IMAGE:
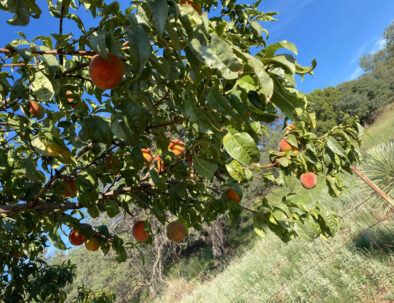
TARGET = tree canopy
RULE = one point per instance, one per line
(167, 121)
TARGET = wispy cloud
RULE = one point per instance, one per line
(356, 73)
(370, 47)
(380, 44)
(289, 10)
(358, 53)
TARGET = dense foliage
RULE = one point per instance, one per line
(192, 96)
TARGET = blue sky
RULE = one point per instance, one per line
(336, 32)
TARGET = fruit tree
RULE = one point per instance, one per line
(160, 107)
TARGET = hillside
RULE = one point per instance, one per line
(354, 266)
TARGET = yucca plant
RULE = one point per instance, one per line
(379, 167)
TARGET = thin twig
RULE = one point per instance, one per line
(166, 124)
(165, 97)
(73, 69)
(61, 30)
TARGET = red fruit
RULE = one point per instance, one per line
(106, 74)
(177, 147)
(17, 254)
(70, 189)
(71, 100)
(176, 231)
(232, 195)
(76, 238)
(111, 163)
(308, 180)
(284, 146)
(159, 165)
(139, 232)
(193, 4)
(34, 110)
(92, 244)
(147, 154)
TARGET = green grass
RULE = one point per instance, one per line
(357, 265)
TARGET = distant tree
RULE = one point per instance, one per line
(325, 103)
(364, 97)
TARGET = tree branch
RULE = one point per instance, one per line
(51, 52)
(39, 206)
(165, 97)
(61, 30)
(166, 124)
(71, 70)
(57, 175)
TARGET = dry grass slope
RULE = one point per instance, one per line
(357, 265)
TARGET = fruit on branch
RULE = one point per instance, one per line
(139, 232)
(176, 231)
(232, 195)
(76, 237)
(159, 165)
(92, 244)
(308, 180)
(69, 189)
(71, 100)
(111, 163)
(285, 146)
(193, 4)
(34, 110)
(17, 254)
(148, 156)
(106, 74)
(177, 147)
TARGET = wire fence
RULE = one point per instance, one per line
(366, 232)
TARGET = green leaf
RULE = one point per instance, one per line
(283, 161)
(248, 83)
(271, 49)
(241, 147)
(134, 117)
(235, 170)
(205, 168)
(335, 147)
(305, 231)
(282, 61)
(218, 55)
(292, 140)
(42, 87)
(157, 180)
(260, 224)
(265, 81)
(53, 234)
(286, 100)
(112, 208)
(97, 43)
(21, 13)
(197, 116)
(139, 46)
(96, 128)
(159, 10)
